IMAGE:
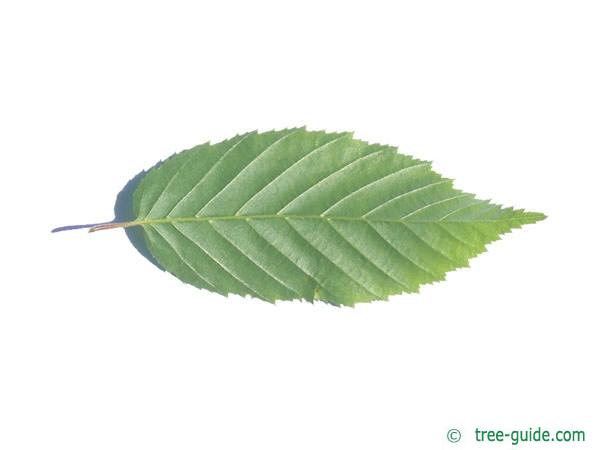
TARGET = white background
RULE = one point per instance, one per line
(100, 350)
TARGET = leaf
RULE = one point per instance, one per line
(295, 214)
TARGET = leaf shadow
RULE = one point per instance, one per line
(124, 213)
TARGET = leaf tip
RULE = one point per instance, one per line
(537, 217)
(531, 217)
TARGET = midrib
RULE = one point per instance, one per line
(167, 220)
(301, 216)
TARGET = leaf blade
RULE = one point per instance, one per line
(296, 214)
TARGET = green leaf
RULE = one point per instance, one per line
(295, 214)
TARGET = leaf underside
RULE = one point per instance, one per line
(297, 214)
